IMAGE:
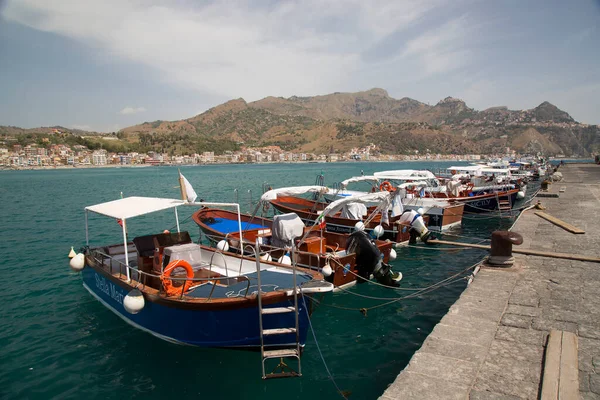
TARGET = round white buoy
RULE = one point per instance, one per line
(359, 226)
(520, 194)
(133, 302)
(421, 211)
(72, 253)
(378, 231)
(397, 276)
(393, 254)
(285, 259)
(223, 245)
(326, 270)
(78, 262)
(266, 257)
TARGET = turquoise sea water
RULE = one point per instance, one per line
(56, 341)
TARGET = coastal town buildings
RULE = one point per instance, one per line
(61, 155)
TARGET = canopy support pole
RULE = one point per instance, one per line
(87, 237)
(177, 219)
(126, 254)
(237, 207)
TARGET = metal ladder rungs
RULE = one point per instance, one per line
(278, 310)
(285, 370)
(278, 331)
(281, 353)
(282, 375)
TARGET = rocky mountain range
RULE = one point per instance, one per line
(339, 122)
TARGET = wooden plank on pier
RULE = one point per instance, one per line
(551, 375)
(568, 387)
(561, 371)
(558, 222)
(528, 252)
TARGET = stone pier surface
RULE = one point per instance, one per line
(491, 343)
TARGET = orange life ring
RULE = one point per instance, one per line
(168, 283)
(387, 186)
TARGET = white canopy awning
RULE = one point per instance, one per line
(465, 168)
(369, 178)
(292, 191)
(337, 205)
(405, 174)
(501, 171)
(130, 207)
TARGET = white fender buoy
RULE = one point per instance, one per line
(397, 276)
(359, 226)
(378, 231)
(72, 253)
(393, 254)
(266, 257)
(78, 262)
(520, 194)
(326, 270)
(134, 302)
(223, 245)
(285, 259)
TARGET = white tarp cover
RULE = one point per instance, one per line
(130, 207)
(286, 227)
(404, 174)
(292, 191)
(454, 187)
(337, 205)
(413, 184)
(369, 178)
(397, 206)
(353, 211)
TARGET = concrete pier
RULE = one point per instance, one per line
(491, 343)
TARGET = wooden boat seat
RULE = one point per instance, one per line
(149, 246)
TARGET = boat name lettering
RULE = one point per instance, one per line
(109, 288)
(481, 203)
(338, 228)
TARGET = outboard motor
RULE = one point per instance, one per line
(369, 260)
(417, 226)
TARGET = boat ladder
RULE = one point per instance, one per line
(282, 370)
(504, 203)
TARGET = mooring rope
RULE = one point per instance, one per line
(390, 300)
(319, 349)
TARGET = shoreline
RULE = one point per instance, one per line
(71, 167)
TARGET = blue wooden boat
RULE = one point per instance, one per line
(187, 293)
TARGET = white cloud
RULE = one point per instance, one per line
(235, 48)
(132, 110)
(441, 50)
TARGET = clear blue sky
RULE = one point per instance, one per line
(106, 65)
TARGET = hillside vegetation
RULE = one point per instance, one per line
(341, 121)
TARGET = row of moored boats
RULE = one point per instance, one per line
(255, 280)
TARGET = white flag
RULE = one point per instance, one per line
(189, 190)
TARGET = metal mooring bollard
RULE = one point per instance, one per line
(501, 249)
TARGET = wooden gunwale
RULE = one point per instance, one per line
(202, 303)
